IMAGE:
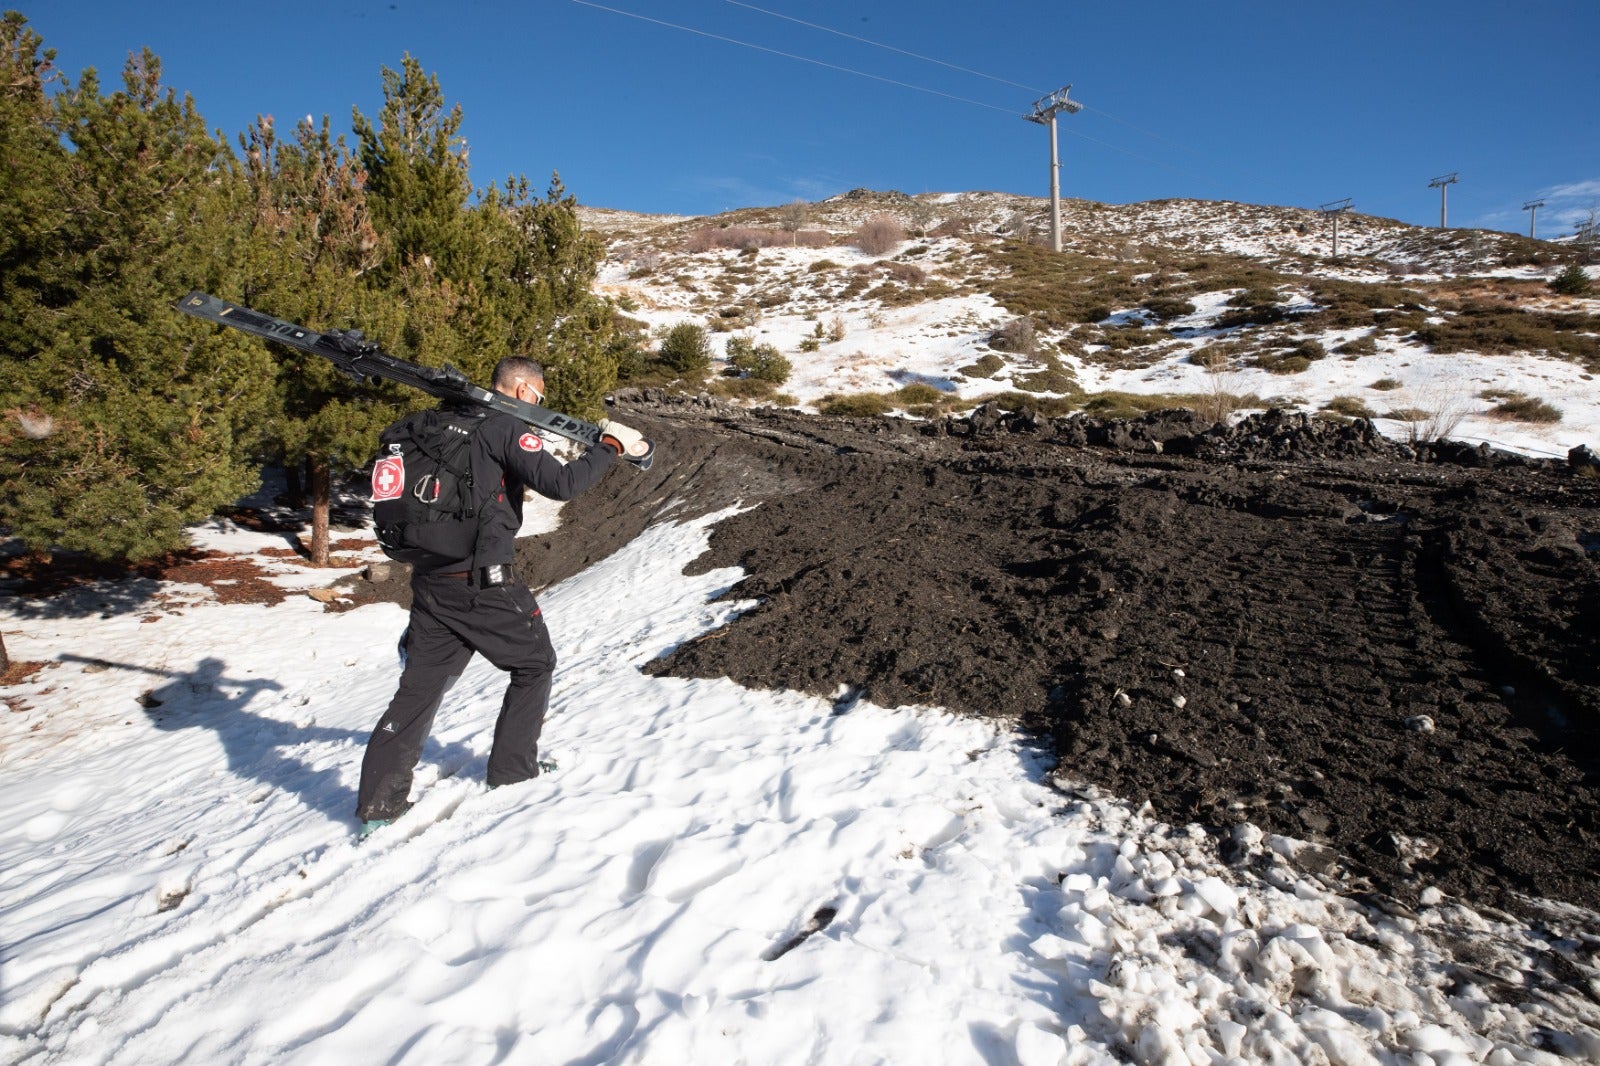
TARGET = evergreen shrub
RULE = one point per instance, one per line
(762, 362)
(1573, 281)
(686, 350)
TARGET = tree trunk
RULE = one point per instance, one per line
(5, 660)
(321, 505)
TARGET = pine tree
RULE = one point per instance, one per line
(512, 274)
(29, 160)
(543, 286)
(308, 243)
(131, 425)
(418, 185)
(32, 165)
(1573, 281)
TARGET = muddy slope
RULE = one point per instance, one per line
(1292, 624)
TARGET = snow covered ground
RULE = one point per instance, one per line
(884, 348)
(714, 875)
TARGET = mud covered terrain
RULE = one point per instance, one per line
(1294, 624)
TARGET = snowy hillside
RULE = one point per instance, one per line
(713, 875)
(1428, 331)
(720, 875)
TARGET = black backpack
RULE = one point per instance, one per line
(424, 504)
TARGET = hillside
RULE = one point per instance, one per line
(1220, 307)
(1008, 732)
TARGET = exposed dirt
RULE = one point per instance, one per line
(1295, 624)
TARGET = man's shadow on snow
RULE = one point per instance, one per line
(269, 751)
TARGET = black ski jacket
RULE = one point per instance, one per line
(507, 457)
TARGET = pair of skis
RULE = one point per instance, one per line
(362, 360)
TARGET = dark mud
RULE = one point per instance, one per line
(1295, 624)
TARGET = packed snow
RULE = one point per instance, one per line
(712, 875)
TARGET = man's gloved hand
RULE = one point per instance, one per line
(625, 440)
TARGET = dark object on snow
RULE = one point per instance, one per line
(1583, 460)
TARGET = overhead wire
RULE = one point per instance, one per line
(1211, 180)
(1068, 132)
(791, 55)
(880, 44)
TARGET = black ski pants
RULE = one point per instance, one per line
(452, 617)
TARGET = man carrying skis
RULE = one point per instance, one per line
(478, 604)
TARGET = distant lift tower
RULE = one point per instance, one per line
(1532, 207)
(1443, 185)
(1334, 210)
(1044, 113)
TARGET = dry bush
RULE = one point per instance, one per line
(813, 238)
(836, 329)
(855, 405)
(1019, 224)
(1221, 398)
(1491, 329)
(644, 264)
(879, 235)
(793, 216)
(1519, 407)
(986, 367)
(750, 388)
(743, 238)
(1348, 406)
(1436, 410)
(1168, 307)
(923, 216)
(918, 393)
(1365, 344)
(909, 273)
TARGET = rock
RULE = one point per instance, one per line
(1420, 723)
(986, 417)
(1583, 460)
(1315, 821)
(323, 595)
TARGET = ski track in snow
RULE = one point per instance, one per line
(713, 875)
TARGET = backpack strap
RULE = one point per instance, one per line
(472, 419)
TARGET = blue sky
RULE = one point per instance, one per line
(1282, 102)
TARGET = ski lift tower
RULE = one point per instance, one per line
(1334, 210)
(1532, 207)
(1443, 185)
(1044, 113)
